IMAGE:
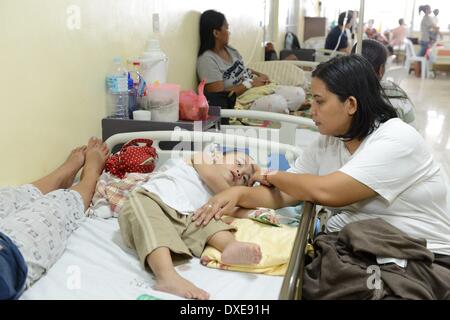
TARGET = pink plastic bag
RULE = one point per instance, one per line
(194, 107)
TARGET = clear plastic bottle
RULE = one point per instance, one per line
(117, 90)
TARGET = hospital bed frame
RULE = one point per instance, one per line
(292, 283)
(287, 131)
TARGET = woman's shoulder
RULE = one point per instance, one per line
(234, 52)
(208, 54)
(398, 132)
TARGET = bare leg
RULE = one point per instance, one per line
(96, 154)
(168, 280)
(233, 251)
(62, 177)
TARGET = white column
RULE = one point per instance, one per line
(359, 36)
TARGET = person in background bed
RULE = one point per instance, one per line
(156, 221)
(376, 53)
(337, 38)
(223, 68)
(366, 164)
(37, 219)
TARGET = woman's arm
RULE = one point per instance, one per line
(239, 89)
(218, 86)
(249, 197)
(335, 190)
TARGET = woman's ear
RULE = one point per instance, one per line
(352, 105)
(215, 33)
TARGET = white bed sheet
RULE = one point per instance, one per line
(97, 265)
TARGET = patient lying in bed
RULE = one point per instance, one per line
(156, 220)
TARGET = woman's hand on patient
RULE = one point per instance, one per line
(261, 177)
(218, 205)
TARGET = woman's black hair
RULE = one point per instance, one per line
(353, 75)
(375, 52)
(424, 8)
(341, 18)
(210, 20)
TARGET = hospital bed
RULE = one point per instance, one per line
(294, 130)
(97, 265)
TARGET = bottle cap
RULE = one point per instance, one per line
(130, 81)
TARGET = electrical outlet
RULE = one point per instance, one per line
(155, 19)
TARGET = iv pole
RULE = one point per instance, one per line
(359, 35)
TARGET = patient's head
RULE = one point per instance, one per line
(376, 53)
(235, 167)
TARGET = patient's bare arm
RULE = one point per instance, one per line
(204, 165)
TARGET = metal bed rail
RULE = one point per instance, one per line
(291, 288)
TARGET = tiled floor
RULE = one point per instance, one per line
(431, 98)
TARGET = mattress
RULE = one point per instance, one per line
(97, 265)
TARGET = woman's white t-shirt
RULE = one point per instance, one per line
(395, 162)
(179, 186)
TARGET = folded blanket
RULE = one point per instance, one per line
(275, 242)
(245, 100)
(111, 193)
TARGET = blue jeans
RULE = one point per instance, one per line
(423, 47)
(13, 270)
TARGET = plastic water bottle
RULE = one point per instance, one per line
(117, 89)
(132, 96)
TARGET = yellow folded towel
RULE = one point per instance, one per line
(275, 242)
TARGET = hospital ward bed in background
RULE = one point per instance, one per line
(97, 265)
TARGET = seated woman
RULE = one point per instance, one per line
(366, 164)
(156, 221)
(377, 55)
(223, 69)
(37, 219)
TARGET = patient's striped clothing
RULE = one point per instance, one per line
(39, 225)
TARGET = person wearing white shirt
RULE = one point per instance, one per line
(366, 164)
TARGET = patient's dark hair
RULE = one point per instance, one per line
(375, 52)
(210, 20)
(353, 75)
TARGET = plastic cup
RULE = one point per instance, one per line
(143, 115)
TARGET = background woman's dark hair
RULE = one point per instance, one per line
(210, 20)
(375, 52)
(424, 8)
(342, 17)
(353, 76)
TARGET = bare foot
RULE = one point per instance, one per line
(177, 285)
(71, 166)
(241, 253)
(96, 154)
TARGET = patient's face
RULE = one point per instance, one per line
(237, 168)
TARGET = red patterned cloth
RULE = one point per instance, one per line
(133, 157)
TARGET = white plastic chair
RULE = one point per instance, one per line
(412, 57)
